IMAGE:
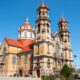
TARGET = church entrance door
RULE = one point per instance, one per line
(38, 72)
(21, 73)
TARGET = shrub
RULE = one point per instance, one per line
(62, 78)
(50, 77)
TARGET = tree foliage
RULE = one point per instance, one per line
(66, 71)
(50, 77)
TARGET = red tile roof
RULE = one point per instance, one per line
(24, 44)
(13, 42)
(25, 49)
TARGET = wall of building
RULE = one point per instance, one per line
(25, 67)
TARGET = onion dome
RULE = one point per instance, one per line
(43, 5)
(26, 25)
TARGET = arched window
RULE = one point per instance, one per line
(19, 60)
(38, 49)
(4, 55)
(47, 27)
(38, 62)
(59, 64)
(43, 31)
(25, 33)
(48, 24)
(22, 34)
(13, 60)
(28, 34)
(38, 28)
(48, 48)
(48, 63)
(57, 48)
(31, 35)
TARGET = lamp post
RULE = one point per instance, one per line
(74, 60)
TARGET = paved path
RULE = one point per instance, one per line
(17, 78)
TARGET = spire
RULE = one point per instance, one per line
(42, 1)
(27, 20)
(63, 19)
(62, 15)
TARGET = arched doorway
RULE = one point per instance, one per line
(38, 72)
(59, 65)
(20, 73)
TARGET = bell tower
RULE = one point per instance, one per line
(43, 32)
(43, 48)
(65, 38)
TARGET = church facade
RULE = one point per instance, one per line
(39, 52)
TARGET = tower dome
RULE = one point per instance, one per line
(26, 25)
(63, 20)
(43, 5)
(26, 31)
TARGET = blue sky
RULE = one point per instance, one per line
(14, 12)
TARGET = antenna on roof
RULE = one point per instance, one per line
(42, 1)
(62, 15)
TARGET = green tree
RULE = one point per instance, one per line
(66, 71)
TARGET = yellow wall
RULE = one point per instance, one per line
(14, 50)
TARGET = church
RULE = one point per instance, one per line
(37, 52)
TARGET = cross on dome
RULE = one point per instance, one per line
(27, 20)
(63, 19)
